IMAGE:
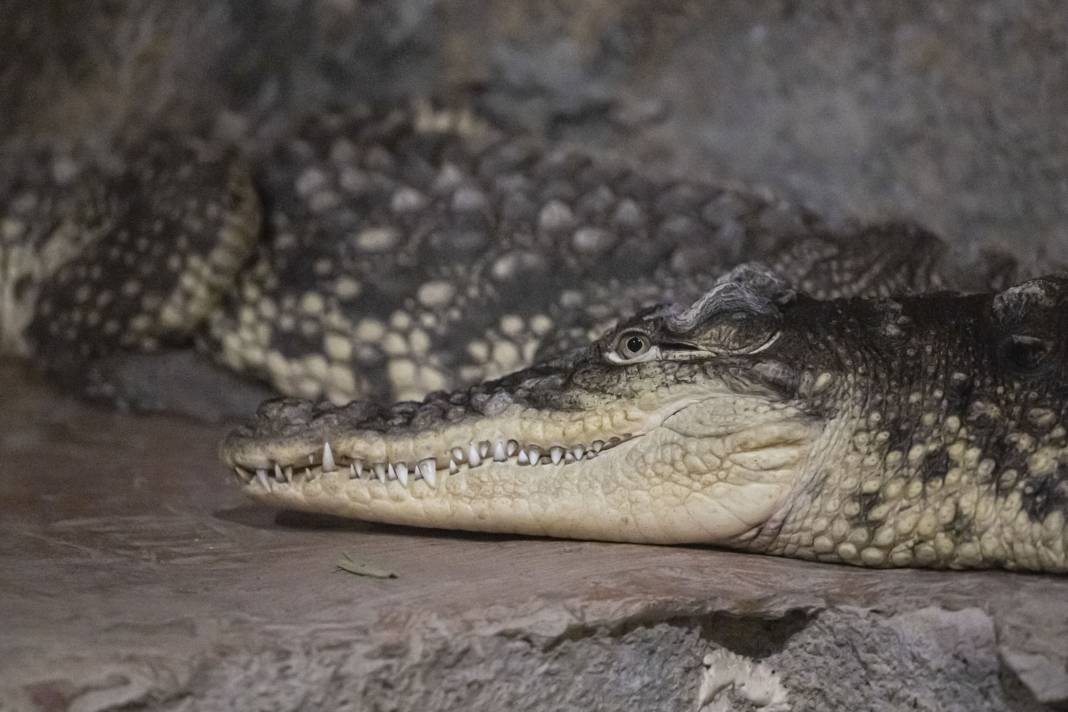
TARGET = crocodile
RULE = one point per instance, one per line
(384, 254)
(388, 252)
(925, 430)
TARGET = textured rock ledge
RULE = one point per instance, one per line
(133, 576)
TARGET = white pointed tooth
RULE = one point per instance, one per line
(289, 475)
(534, 453)
(380, 471)
(352, 472)
(391, 472)
(241, 475)
(428, 469)
(307, 473)
(453, 467)
(311, 459)
(357, 468)
(261, 475)
(556, 454)
(430, 475)
(458, 454)
(499, 452)
(484, 448)
(402, 473)
(597, 445)
(512, 447)
(278, 476)
(578, 451)
(328, 458)
(524, 459)
(473, 456)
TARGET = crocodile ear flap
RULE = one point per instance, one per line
(1029, 320)
(751, 288)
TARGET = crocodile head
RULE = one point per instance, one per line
(675, 427)
(754, 418)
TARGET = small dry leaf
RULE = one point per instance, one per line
(363, 568)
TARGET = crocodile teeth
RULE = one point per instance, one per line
(242, 475)
(428, 468)
(499, 453)
(289, 475)
(278, 476)
(429, 475)
(471, 455)
(261, 475)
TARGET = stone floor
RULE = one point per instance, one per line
(134, 576)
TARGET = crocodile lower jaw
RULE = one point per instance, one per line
(629, 487)
(510, 495)
(451, 478)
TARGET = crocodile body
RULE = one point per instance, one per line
(402, 251)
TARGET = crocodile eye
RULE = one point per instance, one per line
(632, 344)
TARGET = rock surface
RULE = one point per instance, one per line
(134, 575)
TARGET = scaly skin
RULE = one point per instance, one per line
(97, 257)
(405, 250)
(419, 250)
(918, 431)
